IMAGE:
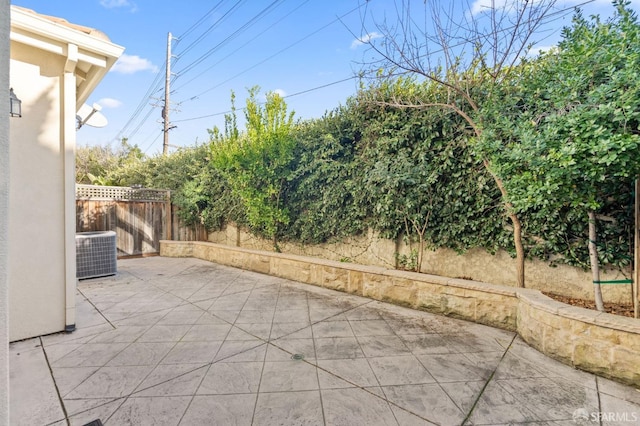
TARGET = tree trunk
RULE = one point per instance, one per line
(398, 246)
(517, 225)
(593, 256)
(420, 253)
(276, 246)
(517, 240)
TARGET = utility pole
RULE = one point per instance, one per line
(167, 90)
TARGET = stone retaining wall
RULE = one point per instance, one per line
(601, 343)
(475, 264)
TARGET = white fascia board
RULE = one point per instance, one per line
(76, 46)
(36, 31)
(33, 40)
(92, 58)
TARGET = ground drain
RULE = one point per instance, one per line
(297, 357)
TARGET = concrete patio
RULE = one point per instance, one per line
(183, 341)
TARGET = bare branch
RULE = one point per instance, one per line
(464, 49)
(422, 105)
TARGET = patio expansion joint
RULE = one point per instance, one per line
(311, 324)
(274, 343)
(123, 398)
(599, 401)
(96, 308)
(487, 374)
(355, 385)
(264, 359)
(386, 399)
(315, 355)
(46, 358)
(193, 302)
(468, 416)
(215, 361)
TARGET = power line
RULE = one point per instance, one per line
(284, 97)
(201, 20)
(157, 82)
(155, 85)
(229, 38)
(211, 27)
(242, 46)
(321, 87)
(144, 120)
(278, 52)
(152, 142)
(554, 14)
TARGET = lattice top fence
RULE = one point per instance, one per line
(95, 192)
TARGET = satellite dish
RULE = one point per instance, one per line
(91, 116)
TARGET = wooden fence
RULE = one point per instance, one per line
(141, 217)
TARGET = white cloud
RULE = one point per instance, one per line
(112, 4)
(130, 64)
(280, 92)
(480, 6)
(605, 2)
(365, 39)
(109, 103)
(535, 51)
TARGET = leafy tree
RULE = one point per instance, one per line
(468, 57)
(200, 191)
(422, 180)
(416, 157)
(326, 198)
(206, 198)
(93, 162)
(101, 165)
(575, 127)
(256, 163)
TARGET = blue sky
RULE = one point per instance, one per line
(294, 46)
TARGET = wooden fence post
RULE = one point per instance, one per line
(169, 223)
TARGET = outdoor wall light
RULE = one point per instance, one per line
(16, 104)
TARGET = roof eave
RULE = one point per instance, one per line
(37, 31)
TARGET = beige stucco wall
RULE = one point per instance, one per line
(476, 264)
(4, 212)
(54, 67)
(37, 196)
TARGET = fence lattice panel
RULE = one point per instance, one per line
(123, 193)
(141, 217)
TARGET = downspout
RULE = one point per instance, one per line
(67, 149)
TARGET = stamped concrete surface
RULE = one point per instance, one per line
(183, 341)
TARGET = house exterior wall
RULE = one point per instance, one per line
(54, 67)
(4, 211)
(37, 235)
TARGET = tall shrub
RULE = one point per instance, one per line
(257, 162)
(575, 125)
(326, 199)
